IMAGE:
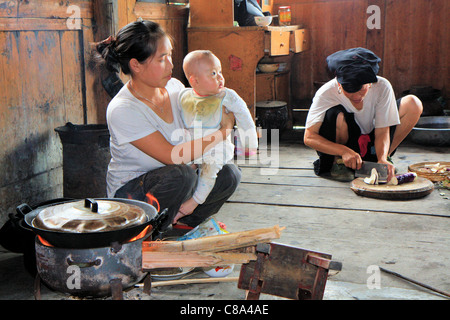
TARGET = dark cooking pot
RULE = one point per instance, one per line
(90, 272)
(96, 239)
(432, 131)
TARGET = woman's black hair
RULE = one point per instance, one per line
(136, 40)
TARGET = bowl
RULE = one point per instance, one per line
(432, 131)
(219, 271)
(263, 21)
(268, 67)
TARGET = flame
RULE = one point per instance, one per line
(154, 202)
(151, 199)
(142, 234)
(44, 242)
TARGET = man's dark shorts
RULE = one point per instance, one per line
(363, 144)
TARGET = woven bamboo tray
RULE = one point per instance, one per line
(435, 177)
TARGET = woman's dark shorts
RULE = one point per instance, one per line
(172, 185)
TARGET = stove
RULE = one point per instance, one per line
(91, 272)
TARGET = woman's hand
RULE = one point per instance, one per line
(227, 120)
(185, 209)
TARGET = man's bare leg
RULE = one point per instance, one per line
(409, 111)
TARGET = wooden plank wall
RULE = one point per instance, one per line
(44, 84)
(173, 19)
(413, 40)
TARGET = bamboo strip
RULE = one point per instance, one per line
(189, 281)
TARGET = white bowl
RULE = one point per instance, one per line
(263, 21)
(220, 271)
(268, 67)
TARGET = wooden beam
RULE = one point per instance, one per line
(37, 24)
(55, 9)
(103, 19)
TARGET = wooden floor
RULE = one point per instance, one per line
(409, 237)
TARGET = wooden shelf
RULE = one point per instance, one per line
(241, 48)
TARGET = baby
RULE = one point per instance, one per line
(201, 112)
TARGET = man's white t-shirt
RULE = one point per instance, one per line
(128, 120)
(379, 107)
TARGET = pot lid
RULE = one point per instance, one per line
(90, 216)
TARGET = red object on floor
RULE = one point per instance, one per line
(180, 226)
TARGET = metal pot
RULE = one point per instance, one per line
(272, 114)
(432, 131)
(99, 239)
(93, 272)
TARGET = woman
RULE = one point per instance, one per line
(149, 157)
(355, 116)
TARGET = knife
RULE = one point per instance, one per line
(366, 170)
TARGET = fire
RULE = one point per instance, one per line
(44, 242)
(151, 199)
(154, 202)
(142, 234)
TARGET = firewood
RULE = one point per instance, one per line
(217, 243)
(156, 259)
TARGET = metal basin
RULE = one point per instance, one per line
(432, 131)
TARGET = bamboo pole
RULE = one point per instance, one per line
(189, 281)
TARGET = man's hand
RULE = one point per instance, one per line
(352, 159)
(391, 169)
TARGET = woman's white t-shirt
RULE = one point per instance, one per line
(379, 106)
(128, 120)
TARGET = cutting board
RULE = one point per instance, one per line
(411, 190)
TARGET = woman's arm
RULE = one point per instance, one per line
(315, 141)
(157, 147)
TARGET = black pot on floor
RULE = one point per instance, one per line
(432, 100)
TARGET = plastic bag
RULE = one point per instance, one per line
(207, 228)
